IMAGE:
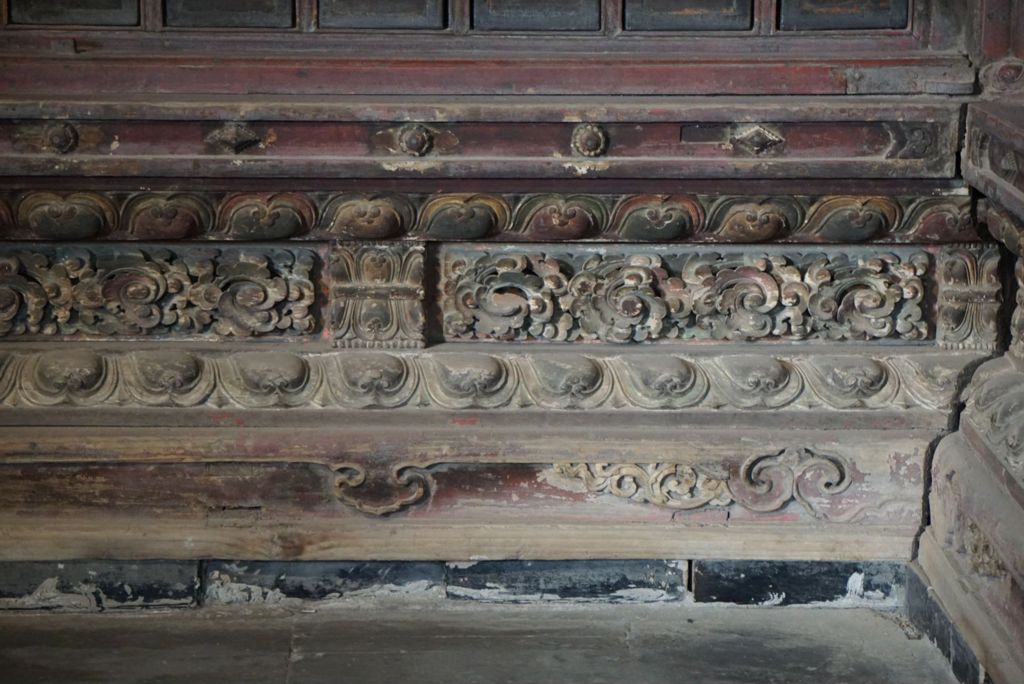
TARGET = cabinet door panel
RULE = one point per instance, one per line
(230, 13)
(373, 14)
(799, 15)
(537, 15)
(688, 15)
(91, 12)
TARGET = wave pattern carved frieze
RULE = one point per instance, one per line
(194, 215)
(354, 379)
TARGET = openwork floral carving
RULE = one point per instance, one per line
(156, 291)
(638, 297)
(761, 484)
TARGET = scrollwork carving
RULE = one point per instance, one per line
(761, 484)
(637, 297)
(380, 490)
(116, 292)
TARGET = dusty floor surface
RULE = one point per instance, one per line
(468, 643)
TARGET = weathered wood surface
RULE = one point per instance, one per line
(781, 141)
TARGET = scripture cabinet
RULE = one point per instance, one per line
(341, 279)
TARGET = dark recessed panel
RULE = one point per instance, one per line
(537, 15)
(375, 14)
(689, 15)
(803, 15)
(90, 12)
(230, 13)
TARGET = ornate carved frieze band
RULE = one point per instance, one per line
(132, 291)
(196, 215)
(640, 295)
(353, 379)
(377, 295)
(761, 484)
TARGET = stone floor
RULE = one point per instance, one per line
(466, 643)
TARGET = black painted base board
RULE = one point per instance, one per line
(927, 615)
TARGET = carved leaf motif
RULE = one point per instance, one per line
(68, 377)
(377, 295)
(368, 217)
(76, 216)
(266, 379)
(553, 217)
(650, 218)
(740, 219)
(970, 297)
(167, 217)
(463, 217)
(852, 219)
(265, 216)
(940, 219)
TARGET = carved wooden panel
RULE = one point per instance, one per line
(689, 15)
(537, 15)
(802, 15)
(115, 292)
(377, 295)
(230, 13)
(794, 495)
(85, 12)
(639, 295)
(372, 14)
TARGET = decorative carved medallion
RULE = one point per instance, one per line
(472, 380)
(118, 291)
(970, 297)
(761, 484)
(639, 296)
(377, 295)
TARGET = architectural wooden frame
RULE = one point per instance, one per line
(463, 301)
